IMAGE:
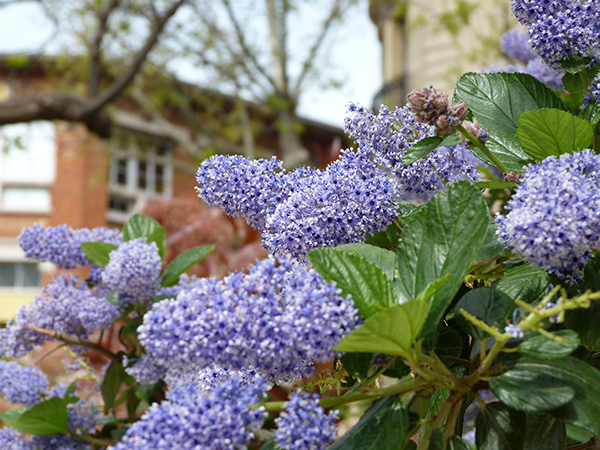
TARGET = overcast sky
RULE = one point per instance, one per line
(355, 57)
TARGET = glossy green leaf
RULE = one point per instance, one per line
(544, 432)
(497, 100)
(160, 239)
(384, 426)
(449, 342)
(182, 263)
(585, 321)
(111, 384)
(575, 63)
(382, 258)
(386, 239)
(591, 113)
(491, 246)
(458, 443)
(270, 445)
(139, 226)
(98, 252)
(498, 427)
(12, 415)
(547, 132)
(443, 238)
(524, 282)
(354, 274)
(357, 365)
(488, 305)
(420, 149)
(542, 347)
(44, 419)
(436, 401)
(392, 331)
(572, 81)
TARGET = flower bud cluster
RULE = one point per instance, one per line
(476, 130)
(431, 106)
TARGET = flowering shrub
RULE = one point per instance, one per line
(463, 327)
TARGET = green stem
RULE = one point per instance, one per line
(93, 440)
(584, 80)
(481, 146)
(414, 384)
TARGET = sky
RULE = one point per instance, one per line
(354, 57)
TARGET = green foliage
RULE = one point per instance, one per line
(98, 252)
(140, 226)
(425, 146)
(182, 263)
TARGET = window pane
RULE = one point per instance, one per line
(7, 275)
(30, 152)
(121, 172)
(31, 275)
(25, 199)
(120, 204)
(159, 178)
(142, 174)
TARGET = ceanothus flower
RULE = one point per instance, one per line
(278, 319)
(61, 245)
(144, 369)
(303, 425)
(554, 215)
(133, 270)
(190, 418)
(66, 305)
(515, 45)
(22, 384)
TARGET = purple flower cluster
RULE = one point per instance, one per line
(559, 29)
(304, 425)
(190, 418)
(144, 370)
(22, 384)
(278, 319)
(350, 199)
(61, 245)
(515, 45)
(554, 218)
(11, 439)
(66, 305)
(385, 137)
(133, 270)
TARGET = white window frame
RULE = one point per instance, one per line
(134, 146)
(19, 182)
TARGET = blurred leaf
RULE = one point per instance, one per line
(111, 384)
(486, 304)
(140, 226)
(495, 184)
(44, 419)
(499, 427)
(98, 252)
(542, 347)
(357, 365)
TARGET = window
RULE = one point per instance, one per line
(19, 275)
(27, 166)
(140, 168)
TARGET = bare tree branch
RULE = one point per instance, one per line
(96, 47)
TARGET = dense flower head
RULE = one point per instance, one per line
(144, 369)
(11, 439)
(554, 215)
(190, 418)
(251, 189)
(61, 245)
(515, 45)
(22, 384)
(65, 305)
(303, 425)
(384, 137)
(348, 200)
(133, 270)
(560, 29)
(279, 319)
(210, 377)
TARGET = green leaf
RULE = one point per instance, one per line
(591, 113)
(182, 263)
(443, 238)
(392, 331)
(438, 398)
(544, 432)
(449, 342)
(387, 238)
(420, 149)
(12, 415)
(44, 419)
(524, 282)
(526, 389)
(354, 274)
(491, 247)
(488, 305)
(382, 258)
(357, 365)
(583, 410)
(549, 132)
(111, 384)
(575, 64)
(270, 445)
(458, 443)
(160, 239)
(384, 426)
(499, 427)
(139, 226)
(497, 100)
(495, 184)
(572, 81)
(98, 252)
(542, 347)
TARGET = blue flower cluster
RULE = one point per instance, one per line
(11, 439)
(303, 425)
(279, 319)
(133, 271)
(190, 418)
(386, 136)
(559, 29)
(144, 370)
(61, 245)
(22, 384)
(554, 215)
(66, 305)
